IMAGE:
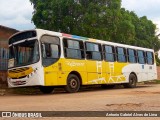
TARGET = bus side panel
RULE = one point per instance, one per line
(51, 75)
(96, 72)
(115, 73)
(71, 65)
(132, 68)
(152, 72)
(143, 72)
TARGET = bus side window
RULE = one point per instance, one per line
(150, 58)
(109, 53)
(141, 56)
(93, 51)
(73, 49)
(132, 56)
(121, 54)
(88, 55)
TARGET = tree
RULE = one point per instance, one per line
(126, 29)
(100, 19)
(90, 18)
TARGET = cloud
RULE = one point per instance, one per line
(157, 22)
(143, 7)
(16, 14)
(149, 8)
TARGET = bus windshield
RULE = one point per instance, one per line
(24, 53)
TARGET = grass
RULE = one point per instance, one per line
(158, 81)
(152, 82)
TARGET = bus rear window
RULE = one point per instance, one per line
(22, 36)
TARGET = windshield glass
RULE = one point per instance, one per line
(23, 53)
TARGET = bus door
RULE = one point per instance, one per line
(50, 55)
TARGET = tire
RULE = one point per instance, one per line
(132, 81)
(46, 89)
(73, 84)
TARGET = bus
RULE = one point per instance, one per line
(48, 59)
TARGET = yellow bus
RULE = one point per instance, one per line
(50, 59)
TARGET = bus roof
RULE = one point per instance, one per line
(92, 40)
(42, 31)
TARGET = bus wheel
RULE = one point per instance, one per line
(46, 89)
(73, 84)
(132, 81)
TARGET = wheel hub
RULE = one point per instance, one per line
(73, 83)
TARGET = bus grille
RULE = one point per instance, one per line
(18, 70)
(19, 83)
(20, 77)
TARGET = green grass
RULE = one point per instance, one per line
(158, 81)
(152, 82)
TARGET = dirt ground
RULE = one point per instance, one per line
(142, 98)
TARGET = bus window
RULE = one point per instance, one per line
(132, 56)
(141, 57)
(150, 59)
(54, 49)
(93, 51)
(73, 49)
(121, 54)
(109, 53)
(24, 53)
(73, 44)
(50, 50)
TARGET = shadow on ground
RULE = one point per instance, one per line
(84, 89)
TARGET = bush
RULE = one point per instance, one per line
(157, 60)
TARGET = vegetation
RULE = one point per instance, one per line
(101, 19)
(157, 59)
(151, 82)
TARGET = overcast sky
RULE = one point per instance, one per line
(18, 13)
(149, 8)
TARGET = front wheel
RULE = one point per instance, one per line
(132, 81)
(73, 84)
(46, 89)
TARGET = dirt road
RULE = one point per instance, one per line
(142, 98)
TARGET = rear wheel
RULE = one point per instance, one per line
(132, 81)
(46, 89)
(73, 84)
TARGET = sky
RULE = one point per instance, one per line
(17, 14)
(149, 8)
